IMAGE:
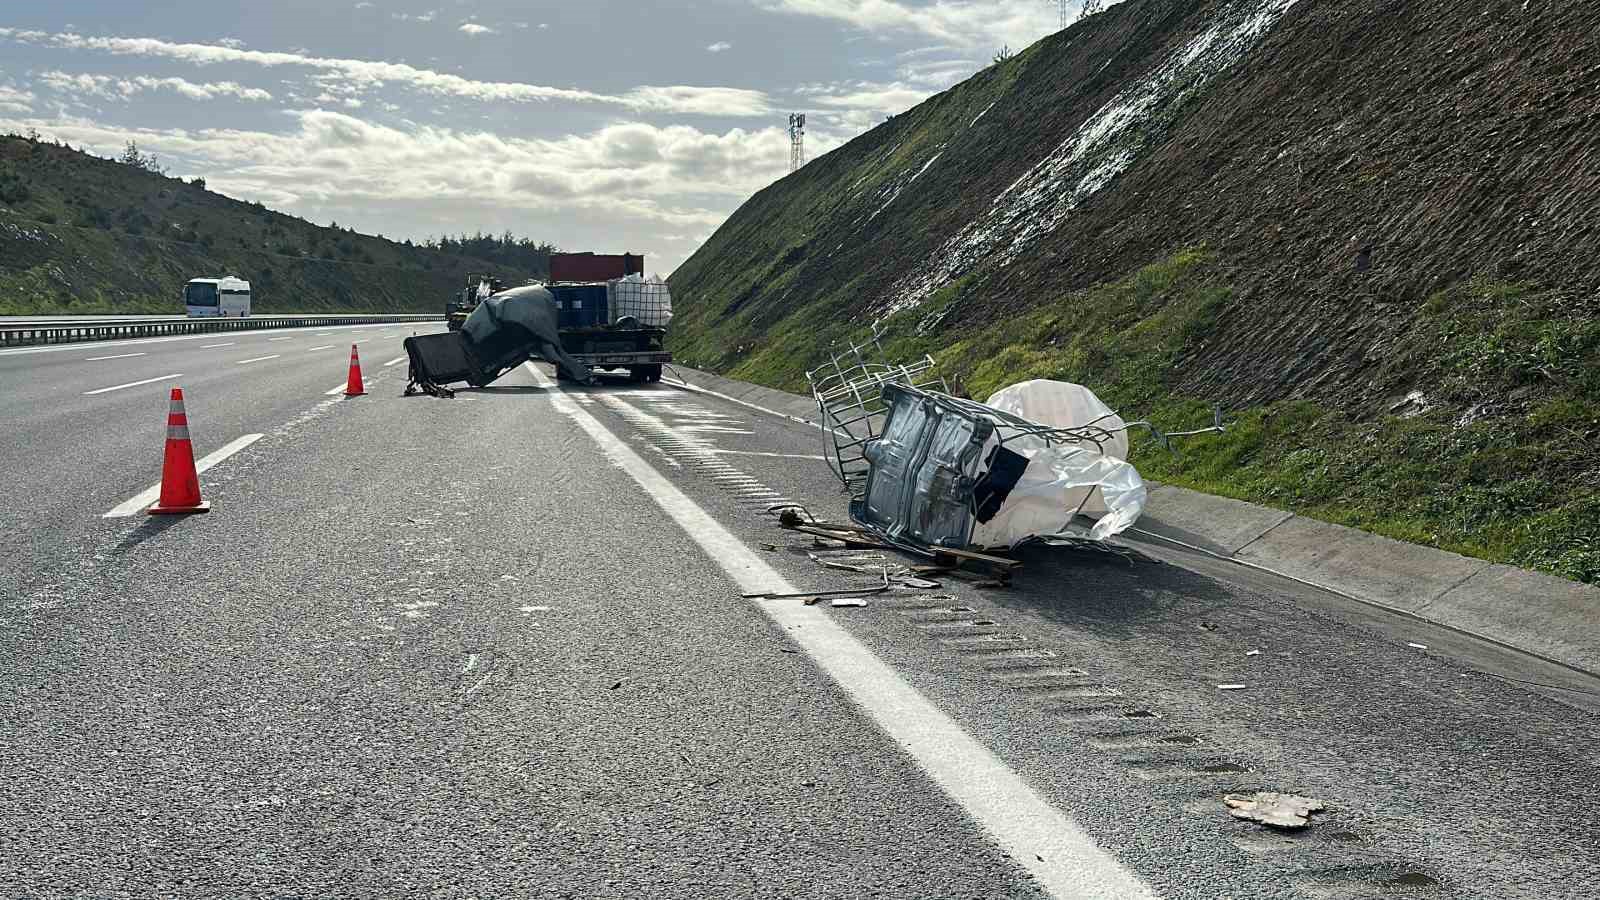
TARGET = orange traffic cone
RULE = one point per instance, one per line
(354, 388)
(180, 484)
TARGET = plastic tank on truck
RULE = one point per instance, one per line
(611, 316)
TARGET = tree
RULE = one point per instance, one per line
(148, 162)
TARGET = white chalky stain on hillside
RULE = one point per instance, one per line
(1107, 144)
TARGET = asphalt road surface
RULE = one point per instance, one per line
(497, 646)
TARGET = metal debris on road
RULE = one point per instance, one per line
(847, 602)
(933, 473)
(1253, 653)
(1231, 687)
(1287, 811)
(1417, 646)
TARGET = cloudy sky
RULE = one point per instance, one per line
(603, 125)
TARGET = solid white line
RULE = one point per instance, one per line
(1053, 847)
(150, 495)
(258, 359)
(210, 346)
(395, 362)
(118, 356)
(133, 384)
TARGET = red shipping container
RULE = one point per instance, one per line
(594, 266)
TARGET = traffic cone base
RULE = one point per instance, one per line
(354, 387)
(159, 510)
(180, 482)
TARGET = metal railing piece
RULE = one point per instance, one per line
(66, 331)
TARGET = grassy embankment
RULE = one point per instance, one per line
(1520, 484)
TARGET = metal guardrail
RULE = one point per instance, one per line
(76, 330)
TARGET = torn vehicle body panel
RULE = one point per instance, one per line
(952, 473)
(934, 473)
(503, 332)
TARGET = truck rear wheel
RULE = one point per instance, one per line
(644, 373)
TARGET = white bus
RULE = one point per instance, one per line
(225, 296)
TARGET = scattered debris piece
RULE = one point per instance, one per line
(1287, 811)
(1253, 653)
(848, 602)
(1231, 687)
(787, 650)
(875, 589)
(615, 686)
(1417, 646)
(813, 601)
(1208, 626)
(769, 547)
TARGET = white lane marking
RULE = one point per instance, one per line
(395, 362)
(324, 347)
(133, 384)
(143, 501)
(269, 340)
(77, 346)
(212, 346)
(772, 455)
(338, 388)
(118, 356)
(1054, 848)
(322, 334)
(258, 359)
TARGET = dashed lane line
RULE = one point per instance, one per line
(396, 361)
(149, 496)
(118, 356)
(118, 387)
(258, 359)
(1055, 849)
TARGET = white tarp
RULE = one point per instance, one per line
(1062, 480)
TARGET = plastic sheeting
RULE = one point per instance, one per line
(1061, 481)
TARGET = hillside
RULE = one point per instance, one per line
(80, 234)
(1366, 229)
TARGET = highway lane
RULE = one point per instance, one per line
(440, 647)
(450, 646)
(73, 452)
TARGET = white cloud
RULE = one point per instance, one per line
(13, 100)
(964, 23)
(646, 180)
(233, 43)
(716, 101)
(474, 29)
(110, 87)
(719, 46)
(364, 4)
(428, 16)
